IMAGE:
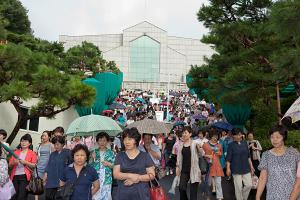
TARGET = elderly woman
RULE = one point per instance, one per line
(278, 167)
(20, 174)
(87, 184)
(187, 166)
(103, 162)
(133, 169)
(58, 160)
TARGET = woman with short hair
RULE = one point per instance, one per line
(133, 169)
(87, 184)
(278, 167)
(58, 160)
(103, 161)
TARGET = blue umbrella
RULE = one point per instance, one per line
(200, 117)
(179, 123)
(140, 100)
(222, 125)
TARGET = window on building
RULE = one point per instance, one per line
(31, 125)
(144, 60)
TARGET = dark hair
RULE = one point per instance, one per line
(79, 147)
(3, 132)
(188, 129)
(236, 131)
(145, 134)
(132, 133)
(26, 137)
(48, 133)
(178, 133)
(0, 150)
(214, 132)
(59, 129)
(102, 135)
(58, 139)
(282, 130)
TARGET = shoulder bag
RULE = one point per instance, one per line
(35, 185)
(65, 192)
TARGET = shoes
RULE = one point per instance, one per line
(171, 172)
(167, 173)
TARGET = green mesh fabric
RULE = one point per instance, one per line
(107, 87)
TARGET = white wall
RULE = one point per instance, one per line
(9, 117)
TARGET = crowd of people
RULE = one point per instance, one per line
(193, 151)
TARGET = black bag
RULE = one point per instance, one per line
(65, 192)
(203, 165)
(35, 185)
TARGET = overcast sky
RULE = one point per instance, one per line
(51, 18)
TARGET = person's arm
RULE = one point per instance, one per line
(155, 154)
(296, 191)
(61, 183)
(123, 176)
(95, 187)
(261, 183)
(251, 166)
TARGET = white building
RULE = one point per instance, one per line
(147, 55)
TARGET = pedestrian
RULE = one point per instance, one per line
(22, 167)
(58, 160)
(278, 167)
(103, 161)
(43, 152)
(213, 152)
(255, 151)
(239, 165)
(151, 148)
(296, 191)
(133, 169)
(88, 183)
(169, 142)
(187, 166)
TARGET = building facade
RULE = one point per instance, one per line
(147, 55)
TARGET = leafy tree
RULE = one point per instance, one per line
(285, 23)
(26, 75)
(16, 16)
(88, 57)
(240, 68)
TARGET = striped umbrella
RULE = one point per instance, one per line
(93, 124)
(150, 126)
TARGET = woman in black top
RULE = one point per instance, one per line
(167, 151)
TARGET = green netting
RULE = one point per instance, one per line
(107, 87)
(236, 114)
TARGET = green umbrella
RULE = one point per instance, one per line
(11, 152)
(93, 124)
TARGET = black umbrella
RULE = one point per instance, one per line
(117, 106)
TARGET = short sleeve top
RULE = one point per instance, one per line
(83, 189)
(281, 172)
(298, 170)
(137, 165)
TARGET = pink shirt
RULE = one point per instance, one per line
(298, 170)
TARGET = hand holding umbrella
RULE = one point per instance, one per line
(11, 152)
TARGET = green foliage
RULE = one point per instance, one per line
(15, 16)
(88, 57)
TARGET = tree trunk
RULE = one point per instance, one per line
(297, 85)
(21, 120)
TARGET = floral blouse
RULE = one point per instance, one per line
(109, 156)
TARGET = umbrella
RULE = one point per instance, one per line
(140, 100)
(222, 125)
(115, 106)
(93, 124)
(200, 117)
(107, 111)
(179, 123)
(292, 116)
(164, 103)
(11, 152)
(150, 126)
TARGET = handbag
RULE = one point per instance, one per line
(35, 185)
(157, 192)
(203, 165)
(65, 192)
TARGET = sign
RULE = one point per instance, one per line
(154, 100)
(159, 116)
